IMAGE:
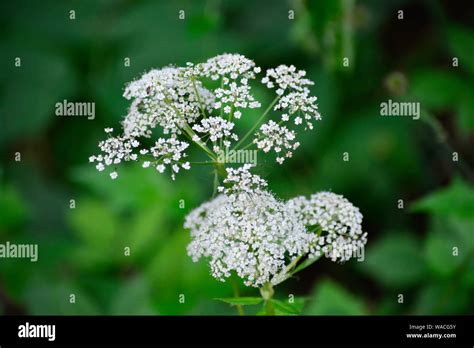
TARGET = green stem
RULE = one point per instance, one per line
(188, 130)
(267, 293)
(240, 308)
(256, 124)
(198, 98)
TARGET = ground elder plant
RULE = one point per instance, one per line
(244, 231)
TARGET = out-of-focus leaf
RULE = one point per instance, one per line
(94, 223)
(468, 272)
(456, 200)
(12, 209)
(32, 92)
(133, 298)
(395, 260)
(437, 89)
(241, 301)
(288, 308)
(461, 40)
(442, 298)
(166, 274)
(144, 231)
(466, 115)
(439, 253)
(45, 297)
(329, 298)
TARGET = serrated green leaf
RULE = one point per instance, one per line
(241, 301)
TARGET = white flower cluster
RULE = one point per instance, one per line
(301, 104)
(115, 150)
(168, 98)
(175, 103)
(247, 230)
(295, 102)
(234, 71)
(252, 237)
(276, 137)
(240, 181)
(216, 128)
(286, 77)
(339, 220)
(168, 152)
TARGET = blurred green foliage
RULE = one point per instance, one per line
(424, 251)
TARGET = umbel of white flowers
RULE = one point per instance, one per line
(199, 104)
(248, 231)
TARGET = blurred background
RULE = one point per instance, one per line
(413, 180)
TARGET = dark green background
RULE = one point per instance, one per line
(409, 250)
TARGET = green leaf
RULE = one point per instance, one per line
(439, 253)
(133, 298)
(461, 40)
(287, 308)
(442, 298)
(437, 90)
(52, 297)
(241, 301)
(94, 223)
(329, 298)
(395, 260)
(456, 200)
(466, 116)
(12, 209)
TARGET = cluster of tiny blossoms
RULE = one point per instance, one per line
(294, 102)
(240, 181)
(252, 236)
(340, 224)
(175, 103)
(276, 137)
(247, 230)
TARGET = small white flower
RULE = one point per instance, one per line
(160, 168)
(114, 175)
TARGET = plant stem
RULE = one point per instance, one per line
(240, 308)
(256, 124)
(198, 98)
(267, 293)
